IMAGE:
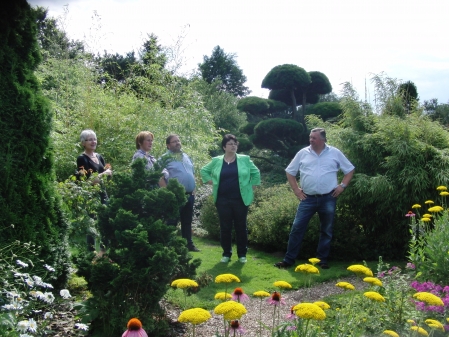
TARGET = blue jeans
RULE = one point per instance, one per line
(186, 217)
(325, 207)
(232, 213)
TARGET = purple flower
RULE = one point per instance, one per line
(239, 296)
(410, 266)
(276, 299)
(236, 327)
(291, 327)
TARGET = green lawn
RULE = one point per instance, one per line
(257, 274)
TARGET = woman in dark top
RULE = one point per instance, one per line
(233, 176)
(91, 162)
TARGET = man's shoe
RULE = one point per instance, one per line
(243, 259)
(193, 248)
(323, 265)
(225, 259)
(282, 265)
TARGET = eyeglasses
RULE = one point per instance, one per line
(232, 144)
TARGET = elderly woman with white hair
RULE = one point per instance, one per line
(91, 162)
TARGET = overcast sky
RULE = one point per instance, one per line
(348, 40)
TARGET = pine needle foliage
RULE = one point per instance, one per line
(143, 254)
(27, 199)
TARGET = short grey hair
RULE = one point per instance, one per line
(86, 133)
(322, 133)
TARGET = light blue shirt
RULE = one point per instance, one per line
(180, 169)
(318, 173)
(142, 154)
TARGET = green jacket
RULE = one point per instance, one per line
(249, 176)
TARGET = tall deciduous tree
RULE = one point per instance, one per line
(29, 206)
(223, 66)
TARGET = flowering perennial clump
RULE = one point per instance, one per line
(184, 283)
(374, 296)
(194, 316)
(373, 280)
(282, 285)
(360, 270)
(307, 268)
(435, 324)
(226, 278)
(345, 285)
(428, 298)
(420, 330)
(309, 311)
(223, 296)
(230, 310)
(390, 333)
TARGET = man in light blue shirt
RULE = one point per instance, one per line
(181, 168)
(317, 165)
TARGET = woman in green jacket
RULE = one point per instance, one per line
(233, 176)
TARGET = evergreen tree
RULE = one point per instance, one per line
(29, 207)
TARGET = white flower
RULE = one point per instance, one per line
(25, 335)
(29, 282)
(38, 280)
(14, 305)
(48, 297)
(20, 274)
(81, 326)
(48, 315)
(47, 285)
(12, 294)
(22, 264)
(65, 294)
(23, 326)
(32, 325)
(49, 268)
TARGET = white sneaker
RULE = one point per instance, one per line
(243, 259)
(225, 259)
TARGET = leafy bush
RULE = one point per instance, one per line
(144, 254)
(429, 250)
(209, 218)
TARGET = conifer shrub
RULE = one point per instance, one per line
(143, 254)
(29, 206)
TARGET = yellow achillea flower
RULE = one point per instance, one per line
(307, 268)
(184, 283)
(435, 209)
(282, 284)
(222, 296)
(429, 298)
(230, 310)
(360, 270)
(427, 215)
(444, 193)
(345, 285)
(390, 333)
(226, 278)
(426, 219)
(314, 260)
(441, 188)
(194, 316)
(261, 293)
(309, 311)
(322, 305)
(374, 296)
(373, 280)
(411, 321)
(416, 206)
(435, 324)
(428, 202)
(421, 331)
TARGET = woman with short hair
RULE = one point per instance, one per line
(233, 176)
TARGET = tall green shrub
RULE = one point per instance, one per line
(144, 254)
(29, 207)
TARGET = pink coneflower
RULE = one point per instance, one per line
(236, 327)
(291, 315)
(410, 213)
(239, 296)
(134, 329)
(276, 299)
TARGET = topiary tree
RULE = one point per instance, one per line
(326, 110)
(409, 94)
(278, 134)
(144, 254)
(288, 78)
(29, 206)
